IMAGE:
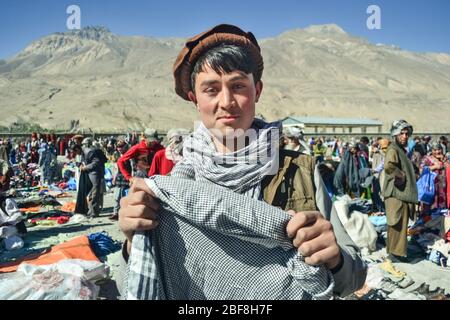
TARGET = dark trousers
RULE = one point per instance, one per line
(95, 196)
(376, 199)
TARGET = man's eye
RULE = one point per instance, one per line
(210, 90)
(239, 86)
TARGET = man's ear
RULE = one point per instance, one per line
(192, 97)
(259, 88)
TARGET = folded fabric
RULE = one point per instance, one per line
(50, 220)
(378, 220)
(77, 248)
(14, 242)
(68, 206)
(30, 209)
(213, 243)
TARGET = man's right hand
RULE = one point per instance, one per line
(138, 211)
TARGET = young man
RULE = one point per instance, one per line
(220, 72)
(399, 190)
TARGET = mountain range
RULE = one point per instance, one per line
(94, 79)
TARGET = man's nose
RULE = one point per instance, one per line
(226, 99)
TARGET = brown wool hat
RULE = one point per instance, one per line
(197, 45)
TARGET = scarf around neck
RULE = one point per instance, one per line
(241, 170)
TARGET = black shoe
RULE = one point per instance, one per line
(397, 259)
(114, 217)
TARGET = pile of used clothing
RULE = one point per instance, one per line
(385, 282)
(25, 175)
(431, 231)
(12, 226)
(355, 219)
(68, 271)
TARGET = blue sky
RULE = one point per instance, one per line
(415, 25)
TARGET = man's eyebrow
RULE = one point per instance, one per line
(239, 77)
(208, 82)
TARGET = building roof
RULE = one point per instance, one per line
(330, 121)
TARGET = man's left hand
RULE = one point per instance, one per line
(314, 237)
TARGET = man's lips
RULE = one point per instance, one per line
(230, 117)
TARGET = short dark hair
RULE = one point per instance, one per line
(364, 139)
(225, 58)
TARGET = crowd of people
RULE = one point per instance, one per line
(34, 162)
(358, 169)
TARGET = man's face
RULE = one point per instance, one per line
(226, 102)
(402, 138)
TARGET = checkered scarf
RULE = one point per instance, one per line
(241, 170)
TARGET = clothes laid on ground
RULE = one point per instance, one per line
(12, 225)
(220, 248)
(102, 244)
(70, 279)
(379, 222)
(77, 248)
(36, 200)
(360, 205)
(389, 267)
(69, 206)
(357, 224)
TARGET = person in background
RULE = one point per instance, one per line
(3, 150)
(437, 163)
(319, 151)
(364, 146)
(120, 183)
(378, 152)
(94, 165)
(165, 159)
(47, 164)
(295, 140)
(444, 143)
(5, 175)
(142, 154)
(346, 178)
(399, 191)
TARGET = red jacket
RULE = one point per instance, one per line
(138, 152)
(160, 164)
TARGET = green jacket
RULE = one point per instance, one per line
(292, 188)
(400, 179)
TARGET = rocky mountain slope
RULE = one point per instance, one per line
(115, 83)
